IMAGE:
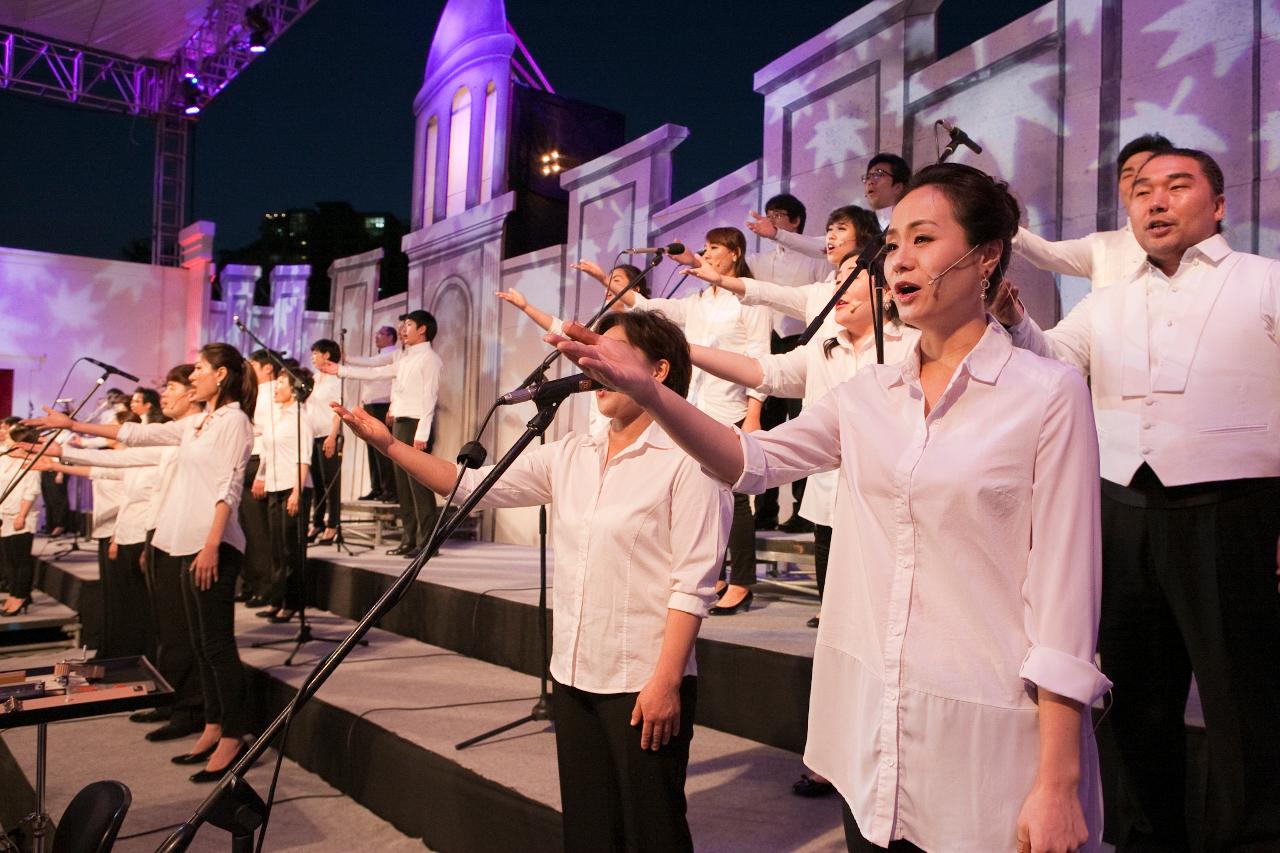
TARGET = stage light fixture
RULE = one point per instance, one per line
(551, 163)
(192, 91)
(259, 29)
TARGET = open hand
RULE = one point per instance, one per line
(592, 269)
(329, 367)
(513, 297)
(366, 426)
(760, 225)
(204, 568)
(609, 361)
(657, 711)
(1051, 821)
(704, 272)
(53, 419)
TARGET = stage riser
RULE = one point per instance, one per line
(746, 691)
(422, 794)
(80, 595)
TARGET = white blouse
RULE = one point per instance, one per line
(27, 490)
(972, 578)
(138, 485)
(327, 389)
(634, 537)
(208, 468)
(280, 447)
(809, 373)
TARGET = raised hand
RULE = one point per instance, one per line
(366, 426)
(611, 362)
(704, 272)
(329, 367)
(761, 225)
(591, 269)
(53, 419)
(513, 297)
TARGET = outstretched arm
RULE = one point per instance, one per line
(730, 366)
(516, 299)
(432, 472)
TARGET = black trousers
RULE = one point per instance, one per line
(775, 412)
(382, 478)
(211, 614)
(19, 565)
(326, 473)
(856, 843)
(57, 508)
(616, 796)
(126, 605)
(742, 543)
(1189, 585)
(175, 654)
(287, 552)
(821, 555)
(257, 538)
(417, 502)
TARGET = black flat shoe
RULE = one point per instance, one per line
(188, 758)
(796, 524)
(740, 607)
(280, 617)
(173, 730)
(813, 622)
(398, 551)
(202, 776)
(151, 715)
(807, 786)
(257, 601)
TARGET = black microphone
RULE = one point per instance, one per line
(550, 392)
(109, 369)
(959, 137)
(669, 249)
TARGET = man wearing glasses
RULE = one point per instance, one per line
(884, 183)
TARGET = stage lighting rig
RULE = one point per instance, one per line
(551, 164)
(192, 93)
(255, 19)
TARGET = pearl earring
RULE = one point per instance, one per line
(986, 285)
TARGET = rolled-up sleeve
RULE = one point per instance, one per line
(784, 374)
(804, 445)
(232, 442)
(701, 513)
(1062, 590)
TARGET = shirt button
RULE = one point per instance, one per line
(1146, 426)
(1149, 401)
(888, 762)
(1168, 323)
(1145, 451)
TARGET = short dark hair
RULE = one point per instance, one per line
(422, 318)
(790, 205)
(659, 339)
(1209, 166)
(329, 348)
(982, 205)
(11, 420)
(180, 374)
(152, 397)
(632, 272)
(899, 169)
(864, 222)
(1153, 142)
(390, 330)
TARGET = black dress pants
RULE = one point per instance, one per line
(742, 543)
(382, 478)
(775, 412)
(126, 605)
(417, 502)
(857, 843)
(821, 555)
(57, 508)
(287, 552)
(175, 654)
(257, 539)
(1189, 585)
(326, 472)
(616, 796)
(19, 565)
(211, 614)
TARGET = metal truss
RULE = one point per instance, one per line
(169, 193)
(34, 65)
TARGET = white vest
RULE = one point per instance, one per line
(1211, 410)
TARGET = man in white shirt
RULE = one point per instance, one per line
(415, 374)
(1103, 257)
(375, 397)
(255, 576)
(1184, 361)
(326, 457)
(885, 183)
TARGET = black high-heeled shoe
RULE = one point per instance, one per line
(194, 757)
(280, 617)
(202, 776)
(741, 606)
(22, 608)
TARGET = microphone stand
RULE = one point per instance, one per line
(233, 804)
(541, 710)
(876, 284)
(304, 634)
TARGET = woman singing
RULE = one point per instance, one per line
(639, 534)
(954, 667)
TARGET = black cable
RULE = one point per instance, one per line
(671, 291)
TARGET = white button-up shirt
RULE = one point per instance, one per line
(714, 317)
(129, 457)
(808, 372)
(972, 578)
(789, 268)
(375, 390)
(317, 411)
(1104, 257)
(208, 468)
(262, 407)
(138, 485)
(27, 490)
(279, 468)
(415, 383)
(634, 537)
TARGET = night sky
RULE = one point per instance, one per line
(326, 114)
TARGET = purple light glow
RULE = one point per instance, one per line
(192, 110)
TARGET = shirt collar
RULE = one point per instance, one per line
(984, 362)
(653, 436)
(1213, 249)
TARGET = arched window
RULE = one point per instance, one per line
(459, 148)
(429, 172)
(486, 152)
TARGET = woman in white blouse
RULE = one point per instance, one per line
(954, 667)
(639, 531)
(198, 524)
